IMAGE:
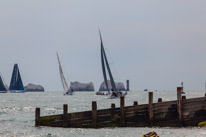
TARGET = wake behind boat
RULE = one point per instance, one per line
(115, 93)
(67, 90)
(16, 84)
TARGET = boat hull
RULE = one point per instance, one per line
(17, 91)
(68, 93)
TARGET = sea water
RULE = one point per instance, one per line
(17, 114)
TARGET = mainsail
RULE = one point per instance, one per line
(104, 58)
(63, 80)
(16, 82)
(2, 86)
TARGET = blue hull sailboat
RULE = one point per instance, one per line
(2, 85)
(16, 84)
(114, 92)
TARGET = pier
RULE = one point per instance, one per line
(182, 112)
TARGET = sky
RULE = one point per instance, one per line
(156, 44)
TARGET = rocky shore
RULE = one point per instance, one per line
(120, 86)
(33, 88)
(77, 86)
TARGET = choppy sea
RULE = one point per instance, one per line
(17, 114)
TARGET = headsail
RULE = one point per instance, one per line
(2, 86)
(103, 65)
(103, 57)
(63, 80)
(16, 82)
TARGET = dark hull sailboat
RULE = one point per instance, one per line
(114, 93)
(2, 86)
(16, 84)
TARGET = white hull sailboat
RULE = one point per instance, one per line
(114, 92)
(67, 90)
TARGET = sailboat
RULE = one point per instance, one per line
(16, 84)
(114, 93)
(2, 85)
(67, 90)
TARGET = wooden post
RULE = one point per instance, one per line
(94, 114)
(179, 105)
(135, 103)
(183, 97)
(122, 111)
(205, 94)
(65, 111)
(159, 100)
(112, 109)
(150, 109)
(37, 117)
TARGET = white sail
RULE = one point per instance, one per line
(67, 90)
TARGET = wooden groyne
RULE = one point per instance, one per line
(177, 113)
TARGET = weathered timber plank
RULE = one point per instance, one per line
(164, 111)
(194, 121)
(173, 107)
(136, 124)
(165, 116)
(82, 124)
(122, 111)
(65, 108)
(107, 118)
(159, 100)
(163, 104)
(166, 123)
(80, 114)
(179, 105)
(194, 107)
(53, 124)
(135, 103)
(140, 109)
(137, 113)
(150, 109)
(194, 103)
(136, 107)
(104, 111)
(107, 111)
(79, 119)
(52, 118)
(94, 114)
(109, 124)
(137, 119)
(37, 117)
(192, 100)
(198, 112)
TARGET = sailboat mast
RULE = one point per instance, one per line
(64, 83)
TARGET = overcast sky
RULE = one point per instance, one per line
(156, 44)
